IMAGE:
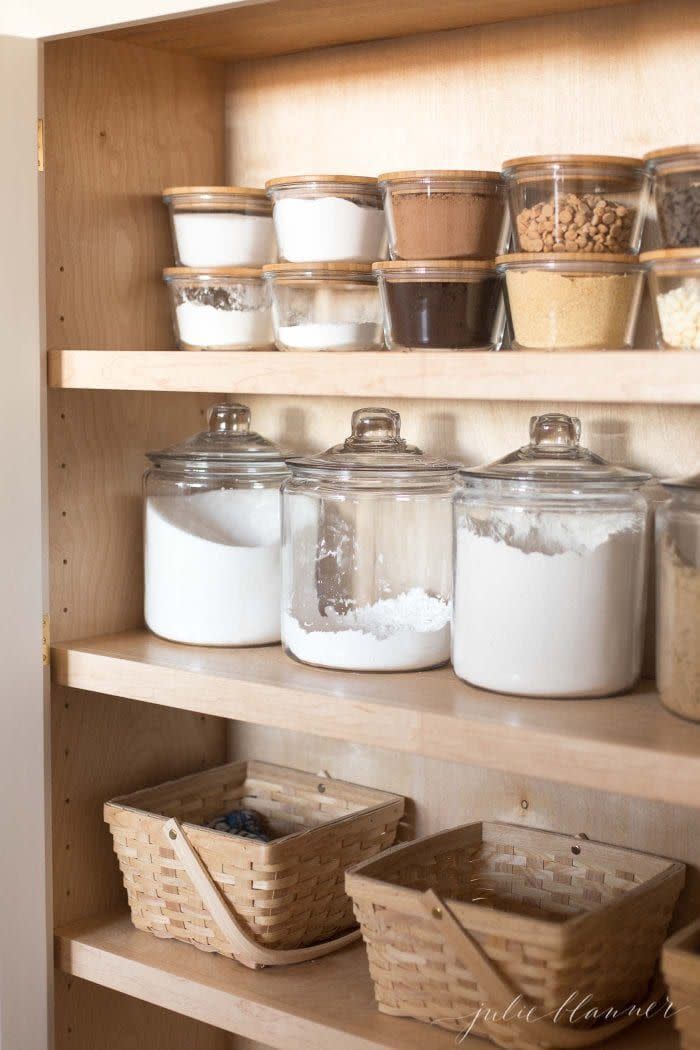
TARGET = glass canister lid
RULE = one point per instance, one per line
(227, 446)
(690, 484)
(555, 457)
(374, 449)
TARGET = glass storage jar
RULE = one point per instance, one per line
(325, 306)
(445, 214)
(219, 308)
(367, 552)
(220, 225)
(674, 283)
(441, 305)
(328, 218)
(569, 302)
(212, 535)
(678, 597)
(577, 203)
(676, 179)
(550, 569)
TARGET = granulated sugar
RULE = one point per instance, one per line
(549, 603)
(404, 633)
(224, 239)
(332, 336)
(207, 327)
(328, 229)
(213, 567)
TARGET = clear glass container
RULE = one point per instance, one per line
(678, 598)
(676, 178)
(577, 203)
(325, 306)
(550, 569)
(434, 305)
(674, 283)
(220, 225)
(560, 302)
(445, 214)
(328, 218)
(367, 552)
(212, 535)
(219, 308)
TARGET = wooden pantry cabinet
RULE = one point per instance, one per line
(240, 94)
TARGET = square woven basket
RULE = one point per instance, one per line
(262, 903)
(680, 962)
(487, 913)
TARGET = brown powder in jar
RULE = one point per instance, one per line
(678, 643)
(446, 225)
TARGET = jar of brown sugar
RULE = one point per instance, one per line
(445, 214)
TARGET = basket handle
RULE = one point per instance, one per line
(502, 994)
(244, 948)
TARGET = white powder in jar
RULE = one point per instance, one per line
(332, 336)
(679, 315)
(224, 239)
(212, 567)
(549, 603)
(328, 229)
(205, 327)
(406, 633)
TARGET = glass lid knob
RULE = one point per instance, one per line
(555, 428)
(375, 428)
(229, 419)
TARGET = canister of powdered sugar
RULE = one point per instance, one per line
(550, 569)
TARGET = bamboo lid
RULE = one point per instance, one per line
(227, 191)
(303, 180)
(407, 266)
(289, 269)
(587, 257)
(670, 254)
(672, 151)
(437, 173)
(212, 271)
(572, 158)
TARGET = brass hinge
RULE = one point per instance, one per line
(45, 640)
(40, 144)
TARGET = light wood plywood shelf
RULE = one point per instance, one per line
(631, 377)
(315, 1006)
(629, 745)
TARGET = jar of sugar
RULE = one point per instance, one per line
(212, 535)
(220, 225)
(550, 569)
(328, 218)
(219, 308)
(367, 552)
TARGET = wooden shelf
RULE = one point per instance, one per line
(629, 745)
(313, 1006)
(634, 377)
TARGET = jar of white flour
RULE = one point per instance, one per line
(328, 218)
(550, 569)
(367, 552)
(220, 225)
(212, 535)
(219, 308)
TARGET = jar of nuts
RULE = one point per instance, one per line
(569, 203)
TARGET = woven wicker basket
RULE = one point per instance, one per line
(681, 966)
(261, 903)
(486, 913)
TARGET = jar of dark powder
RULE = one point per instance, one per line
(676, 175)
(445, 214)
(441, 304)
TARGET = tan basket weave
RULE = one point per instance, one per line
(262, 903)
(681, 966)
(487, 913)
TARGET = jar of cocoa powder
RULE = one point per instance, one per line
(435, 304)
(445, 214)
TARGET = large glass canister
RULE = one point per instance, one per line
(367, 552)
(550, 569)
(678, 598)
(212, 535)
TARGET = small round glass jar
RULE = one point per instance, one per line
(676, 179)
(550, 570)
(445, 214)
(577, 203)
(219, 308)
(220, 225)
(441, 305)
(325, 306)
(572, 302)
(674, 283)
(212, 535)
(678, 597)
(367, 552)
(328, 218)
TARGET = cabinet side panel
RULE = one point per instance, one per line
(122, 122)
